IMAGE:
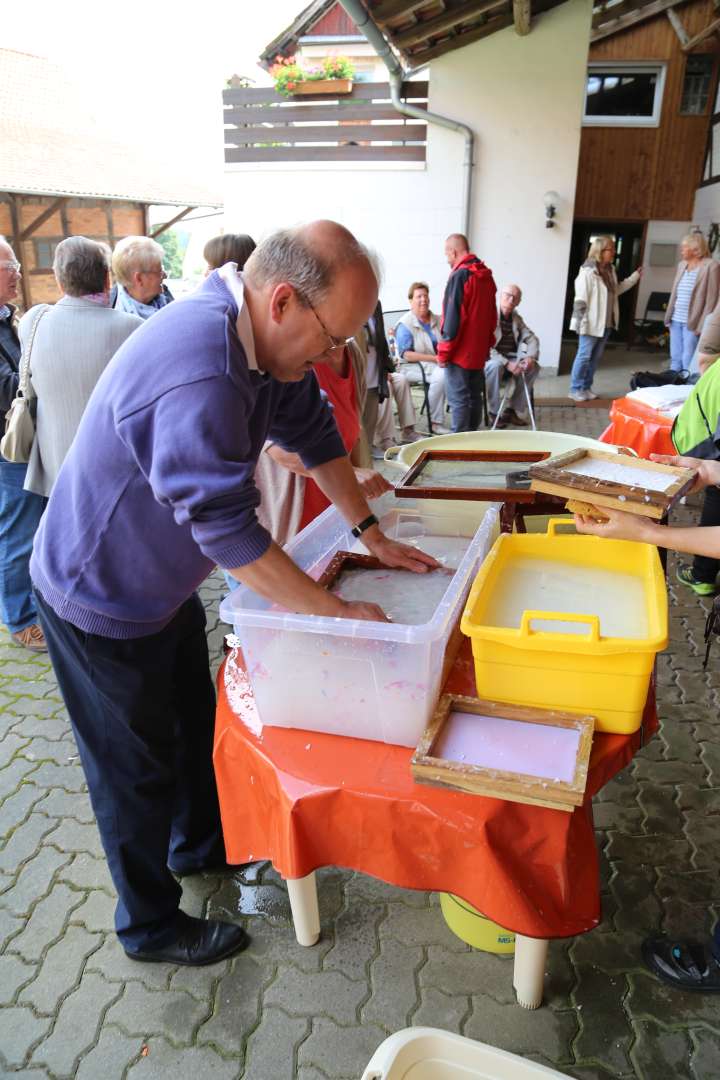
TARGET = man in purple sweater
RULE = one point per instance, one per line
(156, 490)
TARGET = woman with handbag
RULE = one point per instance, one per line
(73, 344)
(20, 510)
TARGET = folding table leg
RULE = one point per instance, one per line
(529, 970)
(304, 906)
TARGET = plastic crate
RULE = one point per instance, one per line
(369, 680)
(584, 638)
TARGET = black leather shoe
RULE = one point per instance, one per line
(199, 942)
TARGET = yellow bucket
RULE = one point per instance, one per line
(539, 661)
(471, 926)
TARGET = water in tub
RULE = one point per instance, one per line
(357, 684)
(545, 585)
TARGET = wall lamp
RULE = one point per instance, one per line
(551, 200)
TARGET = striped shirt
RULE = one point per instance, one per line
(683, 295)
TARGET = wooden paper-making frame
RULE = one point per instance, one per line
(405, 488)
(495, 783)
(348, 560)
(555, 478)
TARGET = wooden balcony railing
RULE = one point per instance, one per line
(262, 125)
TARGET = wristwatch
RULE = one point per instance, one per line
(358, 530)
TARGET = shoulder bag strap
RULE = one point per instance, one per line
(24, 383)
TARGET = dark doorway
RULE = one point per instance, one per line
(628, 237)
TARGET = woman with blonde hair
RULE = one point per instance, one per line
(595, 312)
(694, 295)
(137, 266)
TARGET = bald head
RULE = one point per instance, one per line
(456, 248)
(510, 297)
(308, 289)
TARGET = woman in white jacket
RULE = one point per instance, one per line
(595, 312)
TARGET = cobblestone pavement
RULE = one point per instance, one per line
(72, 1005)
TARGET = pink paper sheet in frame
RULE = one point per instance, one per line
(536, 756)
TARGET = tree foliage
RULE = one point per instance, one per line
(174, 253)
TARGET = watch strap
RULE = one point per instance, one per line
(358, 530)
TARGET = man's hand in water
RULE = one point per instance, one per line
(395, 554)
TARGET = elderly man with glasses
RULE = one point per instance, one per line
(515, 355)
(140, 287)
(157, 489)
(20, 510)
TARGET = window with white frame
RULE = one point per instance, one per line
(696, 84)
(624, 95)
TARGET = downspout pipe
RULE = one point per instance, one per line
(361, 17)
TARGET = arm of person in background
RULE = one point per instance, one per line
(629, 282)
(580, 300)
(403, 341)
(9, 380)
(372, 483)
(692, 541)
(288, 460)
(529, 343)
(452, 308)
(336, 480)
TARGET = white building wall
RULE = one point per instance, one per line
(707, 208)
(659, 278)
(523, 97)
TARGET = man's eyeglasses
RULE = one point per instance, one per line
(335, 343)
(10, 264)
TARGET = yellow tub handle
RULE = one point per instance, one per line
(593, 623)
(553, 523)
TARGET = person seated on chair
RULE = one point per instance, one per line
(515, 353)
(382, 381)
(416, 338)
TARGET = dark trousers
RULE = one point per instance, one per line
(705, 569)
(464, 390)
(143, 712)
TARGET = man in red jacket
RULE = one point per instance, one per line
(468, 331)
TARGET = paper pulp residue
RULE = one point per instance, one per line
(600, 469)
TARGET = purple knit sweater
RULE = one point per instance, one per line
(158, 484)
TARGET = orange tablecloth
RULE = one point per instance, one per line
(644, 430)
(306, 800)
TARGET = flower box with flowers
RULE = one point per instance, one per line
(335, 76)
(324, 86)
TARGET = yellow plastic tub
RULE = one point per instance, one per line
(568, 622)
(472, 927)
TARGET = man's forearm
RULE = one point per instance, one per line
(275, 577)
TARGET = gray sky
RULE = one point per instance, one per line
(155, 68)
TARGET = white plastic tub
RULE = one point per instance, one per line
(431, 1054)
(552, 442)
(348, 677)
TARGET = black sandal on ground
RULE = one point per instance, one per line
(684, 964)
